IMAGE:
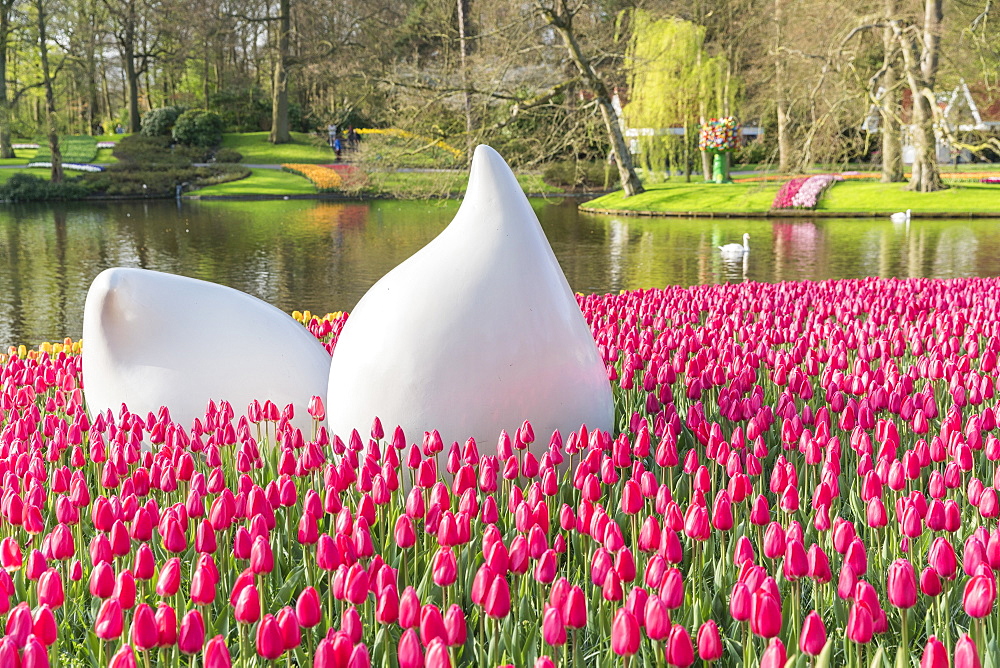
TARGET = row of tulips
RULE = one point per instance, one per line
(324, 178)
(800, 472)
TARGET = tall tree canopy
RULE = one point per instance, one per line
(674, 85)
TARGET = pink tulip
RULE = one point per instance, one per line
(624, 633)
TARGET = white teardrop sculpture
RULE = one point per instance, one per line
(152, 339)
(475, 333)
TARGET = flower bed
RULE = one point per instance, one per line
(72, 166)
(803, 192)
(993, 180)
(784, 196)
(798, 469)
(324, 178)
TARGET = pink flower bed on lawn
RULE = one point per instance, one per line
(803, 192)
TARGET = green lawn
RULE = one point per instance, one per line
(257, 150)
(104, 156)
(404, 185)
(263, 182)
(848, 197)
(42, 172)
(693, 197)
(430, 184)
(74, 148)
(891, 197)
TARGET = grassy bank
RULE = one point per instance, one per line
(440, 184)
(402, 185)
(847, 197)
(693, 197)
(256, 150)
(261, 182)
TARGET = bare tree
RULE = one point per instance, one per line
(780, 96)
(560, 14)
(41, 19)
(6, 7)
(138, 44)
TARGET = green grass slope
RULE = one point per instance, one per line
(257, 150)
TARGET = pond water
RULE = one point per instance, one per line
(323, 256)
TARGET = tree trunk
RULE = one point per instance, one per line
(561, 19)
(205, 71)
(91, 61)
(131, 75)
(6, 151)
(921, 71)
(892, 150)
(784, 140)
(926, 176)
(50, 100)
(280, 133)
(106, 91)
(463, 30)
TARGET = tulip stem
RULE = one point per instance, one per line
(905, 642)
(746, 644)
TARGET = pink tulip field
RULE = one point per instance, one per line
(801, 474)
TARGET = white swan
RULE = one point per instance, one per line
(736, 250)
(900, 217)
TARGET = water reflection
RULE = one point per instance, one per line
(324, 255)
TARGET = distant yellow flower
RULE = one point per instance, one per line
(324, 178)
(403, 134)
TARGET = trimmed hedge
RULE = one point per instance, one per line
(160, 122)
(198, 127)
(31, 188)
(160, 180)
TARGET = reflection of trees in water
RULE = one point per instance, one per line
(955, 252)
(323, 256)
(617, 252)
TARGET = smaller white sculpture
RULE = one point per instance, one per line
(475, 333)
(152, 339)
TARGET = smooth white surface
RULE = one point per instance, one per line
(737, 250)
(476, 332)
(154, 339)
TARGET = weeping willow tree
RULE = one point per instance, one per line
(674, 84)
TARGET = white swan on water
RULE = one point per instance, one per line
(736, 250)
(900, 217)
